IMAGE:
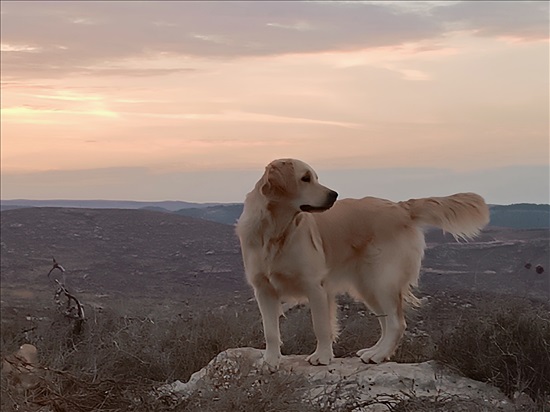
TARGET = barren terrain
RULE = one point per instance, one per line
(168, 291)
(120, 253)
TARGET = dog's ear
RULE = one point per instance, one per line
(278, 180)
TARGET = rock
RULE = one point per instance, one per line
(21, 368)
(347, 382)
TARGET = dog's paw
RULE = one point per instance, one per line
(372, 356)
(363, 351)
(320, 357)
(271, 361)
(370, 350)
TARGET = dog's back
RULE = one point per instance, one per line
(362, 236)
(351, 225)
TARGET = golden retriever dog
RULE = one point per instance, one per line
(370, 248)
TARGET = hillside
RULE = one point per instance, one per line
(226, 214)
(521, 216)
(100, 204)
(142, 253)
(119, 252)
(165, 293)
(518, 216)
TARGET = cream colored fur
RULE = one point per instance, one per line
(370, 248)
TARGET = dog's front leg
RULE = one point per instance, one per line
(319, 305)
(269, 305)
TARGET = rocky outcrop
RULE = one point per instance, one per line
(21, 368)
(346, 383)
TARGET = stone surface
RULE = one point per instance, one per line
(21, 368)
(347, 381)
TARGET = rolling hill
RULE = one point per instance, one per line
(120, 252)
(518, 216)
(143, 253)
(167, 205)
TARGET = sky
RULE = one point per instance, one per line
(190, 100)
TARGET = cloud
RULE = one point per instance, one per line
(247, 117)
(56, 63)
(129, 72)
(525, 20)
(53, 39)
(25, 114)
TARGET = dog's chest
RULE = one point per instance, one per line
(286, 257)
(279, 257)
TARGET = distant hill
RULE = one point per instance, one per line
(120, 251)
(517, 216)
(227, 214)
(168, 257)
(101, 204)
(521, 216)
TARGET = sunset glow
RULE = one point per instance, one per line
(180, 88)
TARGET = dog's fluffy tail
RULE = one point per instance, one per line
(462, 214)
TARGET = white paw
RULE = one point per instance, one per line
(320, 357)
(360, 352)
(272, 361)
(373, 356)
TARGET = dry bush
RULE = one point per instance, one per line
(505, 343)
(114, 361)
(439, 404)
(193, 341)
(297, 332)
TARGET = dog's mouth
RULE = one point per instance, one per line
(312, 209)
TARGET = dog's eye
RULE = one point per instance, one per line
(306, 178)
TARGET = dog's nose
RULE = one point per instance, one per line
(333, 195)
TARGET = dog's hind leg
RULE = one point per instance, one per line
(385, 300)
(371, 302)
(391, 304)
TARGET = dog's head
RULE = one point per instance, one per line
(296, 184)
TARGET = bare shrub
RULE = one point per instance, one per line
(438, 404)
(117, 359)
(297, 332)
(195, 340)
(507, 345)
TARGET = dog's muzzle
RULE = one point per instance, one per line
(331, 198)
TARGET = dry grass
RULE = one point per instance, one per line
(507, 346)
(114, 361)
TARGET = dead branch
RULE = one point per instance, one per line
(56, 266)
(70, 310)
(74, 308)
